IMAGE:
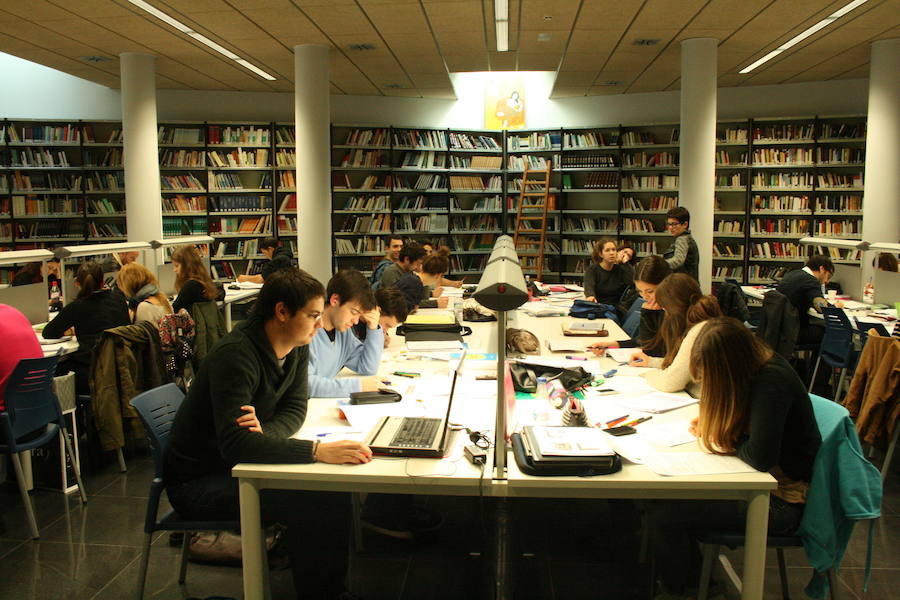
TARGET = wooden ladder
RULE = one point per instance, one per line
(530, 241)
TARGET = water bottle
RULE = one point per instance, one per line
(458, 310)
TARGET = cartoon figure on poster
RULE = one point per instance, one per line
(505, 106)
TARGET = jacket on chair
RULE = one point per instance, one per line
(778, 325)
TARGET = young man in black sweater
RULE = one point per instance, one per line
(804, 289)
(279, 257)
(683, 256)
(246, 402)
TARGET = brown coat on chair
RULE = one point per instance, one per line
(874, 396)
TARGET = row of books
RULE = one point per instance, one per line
(729, 226)
(648, 159)
(475, 223)
(467, 263)
(838, 253)
(37, 181)
(473, 182)
(840, 155)
(179, 135)
(575, 246)
(632, 225)
(288, 203)
(50, 228)
(285, 158)
(471, 141)
(112, 157)
(182, 158)
(226, 271)
(423, 160)
(286, 180)
(367, 203)
(233, 181)
(484, 241)
(647, 182)
(607, 180)
(51, 134)
(844, 228)
(475, 162)
(115, 136)
(239, 203)
(840, 180)
(527, 161)
(725, 250)
(181, 203)
(590, 139)
(780, 203)
(239, 158)
(653, 203)
(723, 157)
(180, 182)
(776, 250)
(105, 206)
(842, 130)
(30, 205)
(767, 272)
(782, 156)
(589, 224)
(733, 135)
(236, 248)
(249, 225)
(437, 223)
(105, 182)
(586, 160)
(839, 203)
(533, 141)
(728, 271)
(797, 226)
(105, 229)
(365, 158)
(367, 224)
(642, 138)
(367, 137)
(175, 226)
(38, 157)
(420, 138)
(429, 203)
(286, 224)
(239, 136)
(729, 180)
(363, 245)
(784, 132)
(783, 180)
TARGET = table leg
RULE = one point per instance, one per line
(253, 549)
(228, 316)
(757, 529)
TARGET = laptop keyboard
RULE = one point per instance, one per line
(416, 432)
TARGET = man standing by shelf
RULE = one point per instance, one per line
(348, 301)
(682, 256)
(395, 245)
(279, 257)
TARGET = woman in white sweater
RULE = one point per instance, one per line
(687, 311)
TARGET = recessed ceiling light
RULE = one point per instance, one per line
(609, 83)
(548, 17)
(185, 29)
(501, 24)
(96, 59)
(646, 42)
(361, 47)
(805, 34)
(543, 37)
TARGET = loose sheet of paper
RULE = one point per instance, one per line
(673, 433)
(571, 441)
(695, 463)
(621, 354)
(656, 402)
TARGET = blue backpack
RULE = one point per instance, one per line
(585, 309)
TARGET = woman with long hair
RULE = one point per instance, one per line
(192, 280)
(753, 406)
(414, 284)
(605, 280)
(141, 289)
(687, 309)
(94, 309)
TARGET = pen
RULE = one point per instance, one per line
(616, 421)
(610, 373)
(406, 374)
(570, 357)
(638, 421)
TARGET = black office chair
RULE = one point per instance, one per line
(157, 409)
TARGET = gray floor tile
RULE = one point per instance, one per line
(43, 570)
(884, 548)
(103, 520)
(133, 483)
(49, 507)
(882, 585)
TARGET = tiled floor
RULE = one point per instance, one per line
(564, 550)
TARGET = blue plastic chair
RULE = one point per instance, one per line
(836, 348)
(632, 320)
(711, 541)
(157, 409)
(865, 327)
(30, 419)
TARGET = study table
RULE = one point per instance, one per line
(232, 296)
(454, 475)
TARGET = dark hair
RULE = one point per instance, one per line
(679, 213)
(725, 359)
(597, 253)
(424, 243)
(652, 269)
(33, 271)
(394, 237)
(625, 244)
(192, 268)
(350, 285)
(686, 305)
(392, 303)
(438, 262)
(887, 262)
(817, 261)
(412, 251)
(268, 242)
(291, 286)
(90, 278)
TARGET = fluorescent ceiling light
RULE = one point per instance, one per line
(502, 36)
(885, 246)
(834, 243)
(501, 22)
(805, 34)
(200, 38)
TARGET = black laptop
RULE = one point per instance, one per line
(415, 437)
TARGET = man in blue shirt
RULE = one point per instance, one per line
(348, 301)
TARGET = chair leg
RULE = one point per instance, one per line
(185, 544)
(889, 455)
(121, 457)
(81, 491)
(812, 381)
(782, 573)
(833, 585)
(840, 386)
(710, 551)
(26, 498)
(145, 562)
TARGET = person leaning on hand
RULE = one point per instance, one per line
(247, 401)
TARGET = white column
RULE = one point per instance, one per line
(312, 116)
(881, 202)
(142, 196)
(698, 145)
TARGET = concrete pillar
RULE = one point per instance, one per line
(312, 117)
(881, 202)
(142, 195)
(698, 145)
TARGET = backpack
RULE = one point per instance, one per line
(585, 309)
(176, 334)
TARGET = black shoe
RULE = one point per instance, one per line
(403, 527)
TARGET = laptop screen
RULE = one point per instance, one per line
(456, 373)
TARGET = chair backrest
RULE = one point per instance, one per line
(157, 409)
(864, 328)
(837, 343)
(632, 321)
(779, 323)
(30, 400)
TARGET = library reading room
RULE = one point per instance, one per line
(449, 299)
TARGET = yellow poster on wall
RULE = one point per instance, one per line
(504, 103)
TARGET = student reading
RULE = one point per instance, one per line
(752, 405)
(279, 257)
(605, 278)
(415, 284)
(804, 289)
(349, 301)
(192, 280)
(247, 400)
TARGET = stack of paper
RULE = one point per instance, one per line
(656, 402)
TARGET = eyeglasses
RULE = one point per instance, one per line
(673, 223)
(315, 316)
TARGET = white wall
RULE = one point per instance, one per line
(43, 93)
